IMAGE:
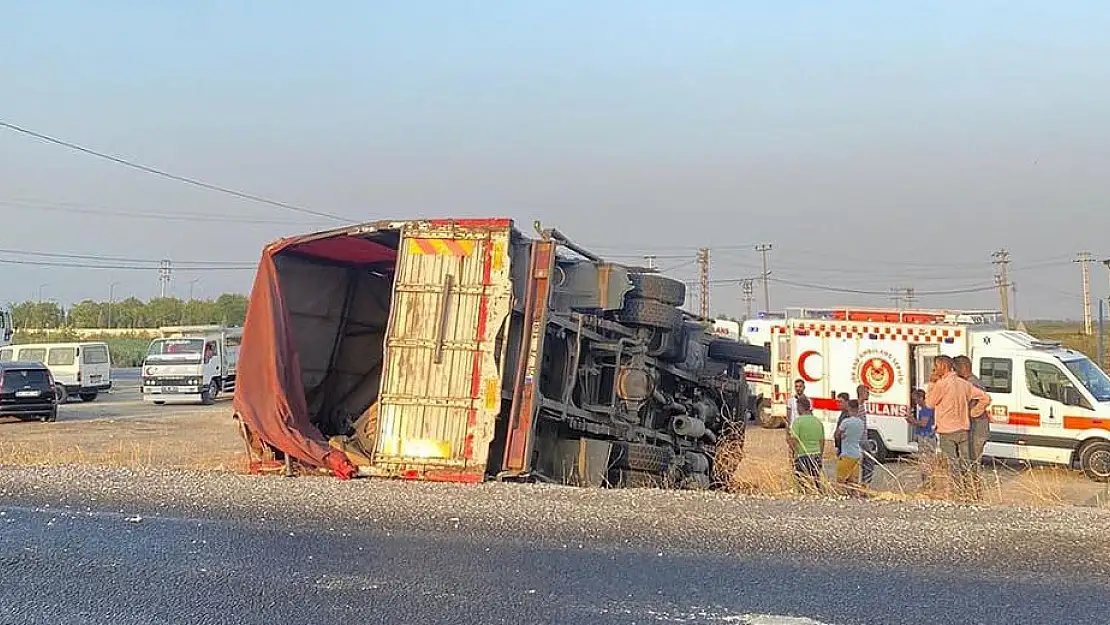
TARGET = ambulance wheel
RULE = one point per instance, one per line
(61, 393)
(876, 447)
(1094, 459)
(769, 421)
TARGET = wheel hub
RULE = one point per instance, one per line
(1099, 463)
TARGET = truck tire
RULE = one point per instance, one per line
(89, 396)
(1094, 460)
(208, 395)
(729, 350)
(650, 313)
(657, 287)
(61, 393)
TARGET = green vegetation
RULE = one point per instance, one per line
(228, 309)
(1070, 334)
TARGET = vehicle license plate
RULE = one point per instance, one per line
(27, 393)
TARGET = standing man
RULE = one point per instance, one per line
(807, 444)
(848, 435)
(951, 398)
(842, 402)
(792, 403)
(867, 462)
(980, 421)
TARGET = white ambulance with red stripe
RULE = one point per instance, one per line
(1049, 404)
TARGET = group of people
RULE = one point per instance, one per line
(950, 421)
(855, 468)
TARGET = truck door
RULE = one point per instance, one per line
(441, 386)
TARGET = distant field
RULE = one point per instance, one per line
(1068, 333)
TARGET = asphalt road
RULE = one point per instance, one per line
(115, 546)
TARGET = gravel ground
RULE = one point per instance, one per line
(998, 539)
(140, 546)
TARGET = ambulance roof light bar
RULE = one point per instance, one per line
(890, 315)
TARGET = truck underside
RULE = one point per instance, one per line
(504, 357)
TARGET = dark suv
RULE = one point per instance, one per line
(27, 390)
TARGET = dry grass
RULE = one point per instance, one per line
(119, 455)
(763, 466)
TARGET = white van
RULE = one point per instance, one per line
(81, 369)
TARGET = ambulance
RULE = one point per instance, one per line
(1050, 404)
(759, 331)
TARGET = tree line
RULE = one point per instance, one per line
(228, 309)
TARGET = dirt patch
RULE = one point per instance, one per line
(172, 439)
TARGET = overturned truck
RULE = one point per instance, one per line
(463, 350)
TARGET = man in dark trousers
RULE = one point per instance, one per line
(867, 463)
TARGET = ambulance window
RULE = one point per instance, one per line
(996, 374)
(1048, 381)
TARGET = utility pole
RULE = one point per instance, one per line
(649, 260)
(1084, 259)
(896, 297)
(1002, 281)
(763, 248)
(911, 297)
(1013, 294)
(111, 300)
(748, 287)
(703, 272)
(165, 271)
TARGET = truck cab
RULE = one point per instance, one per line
(191, 364)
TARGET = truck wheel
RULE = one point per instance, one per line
(729, 350)
(61, 393)
(657, 287)
(208, 395)
(1094, 459)
(89, 396)
(650, 313)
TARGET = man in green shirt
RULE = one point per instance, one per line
(806, 440)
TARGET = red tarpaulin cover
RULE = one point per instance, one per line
(269, 390)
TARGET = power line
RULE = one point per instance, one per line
(886, 293)
(122, 259)
(175, 177)
(178, 216)
(46, 263)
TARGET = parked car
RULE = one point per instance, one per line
(27, 390)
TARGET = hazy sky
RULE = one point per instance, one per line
(875, 144)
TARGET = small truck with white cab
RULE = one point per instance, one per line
(191, 364)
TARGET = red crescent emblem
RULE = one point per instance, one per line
(802, 366)
(877, 374)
